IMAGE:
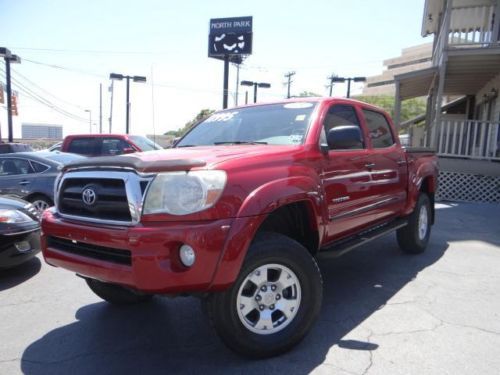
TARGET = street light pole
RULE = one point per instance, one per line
(263, 85)
(127, 119)
(128, 78)
(349, 79)
(9, 58)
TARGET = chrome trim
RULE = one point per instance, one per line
(368, 207)
(132, 182)
(22, 232)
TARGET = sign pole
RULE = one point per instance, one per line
(230, 39)
(226, 81)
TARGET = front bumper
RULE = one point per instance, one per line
(18, 248)
(141, 257)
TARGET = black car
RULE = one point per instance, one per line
(31, 175)
(6, 148)
(19, 232)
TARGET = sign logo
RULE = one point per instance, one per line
(89, 196)
(230, 37)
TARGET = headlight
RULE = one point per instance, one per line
(182, 193)
(14, 216)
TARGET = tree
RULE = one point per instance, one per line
(409, 108)
(306, 94)
(202, 115)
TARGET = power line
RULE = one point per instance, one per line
(47, 92)
(41, 96)
(93, 51)
(40, 99)
(74, 70)
(51, 105)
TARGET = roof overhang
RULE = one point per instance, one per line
(416, 83)
(468, 71)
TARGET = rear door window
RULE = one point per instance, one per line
(379, 129)
(14, 166)
(39, 167)
(85, 146)
(113, 146)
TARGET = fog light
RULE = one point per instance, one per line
(23, 246)
(187, 255)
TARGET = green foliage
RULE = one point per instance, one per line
(306, 94)
(409, 108)
(203, 114)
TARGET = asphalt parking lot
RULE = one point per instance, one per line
(383, 313)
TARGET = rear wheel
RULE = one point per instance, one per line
(273, 303)
(116, 294)
(414, 237)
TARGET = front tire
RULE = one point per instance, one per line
(414, 237)
(116, 294)
(274, 301)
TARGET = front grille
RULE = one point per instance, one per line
(110, 199)
(107, 254)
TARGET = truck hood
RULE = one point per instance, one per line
(178, 159)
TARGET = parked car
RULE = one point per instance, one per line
(7, 148)
(19, 232)
(55, 147)
(239, 211)
(107, 144)
(31, 175)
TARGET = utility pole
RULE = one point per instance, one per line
(331, 78)
(100, 108)
(289, 76)
(111, 87)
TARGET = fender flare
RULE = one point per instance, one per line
(252, 213)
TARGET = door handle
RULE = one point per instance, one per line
(24, 182)
(401, 162)
(370, 165)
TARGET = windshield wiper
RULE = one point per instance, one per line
(185, 146)
(240, 143)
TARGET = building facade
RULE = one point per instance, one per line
(36, 131)
(465, 65)
(411, 59)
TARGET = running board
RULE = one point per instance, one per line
(343, 246)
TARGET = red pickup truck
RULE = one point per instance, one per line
(106, 144)
(238, 212)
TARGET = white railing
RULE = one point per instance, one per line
(467, 27)
(469, 139)
(473, 25)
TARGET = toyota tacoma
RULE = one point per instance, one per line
(239, 211)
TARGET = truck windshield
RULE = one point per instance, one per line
(276, 124)
(144, 143)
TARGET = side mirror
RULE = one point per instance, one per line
(344, 137)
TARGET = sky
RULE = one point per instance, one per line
(69, 48)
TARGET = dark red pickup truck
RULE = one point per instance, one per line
(239, 211)
(106, 144)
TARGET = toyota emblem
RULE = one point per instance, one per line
(89, 196)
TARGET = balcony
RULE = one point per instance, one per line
(469, 139)
(467, 27)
